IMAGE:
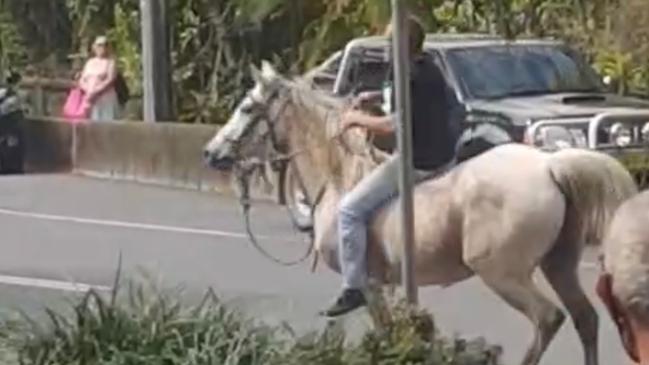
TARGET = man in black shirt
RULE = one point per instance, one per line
(433, 149)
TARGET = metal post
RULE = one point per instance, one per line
(156, 64)
(402, 88)
(147, 60)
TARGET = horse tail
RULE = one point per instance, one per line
(595, 185)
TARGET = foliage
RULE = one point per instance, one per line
(213, 42)
(91, 18)
(12, 47)
(411, 338)
(209, 67)
(627, 40)
(126, 29)
(43, 27)
(143, 325)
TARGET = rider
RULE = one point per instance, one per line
(433, 149)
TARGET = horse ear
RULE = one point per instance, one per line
(256, 74)
(267, 70)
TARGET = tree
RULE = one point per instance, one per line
(213, 42)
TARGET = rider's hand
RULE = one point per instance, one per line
(362, 98)
(350, 119)
(357, 102)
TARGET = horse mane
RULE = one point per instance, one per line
(316, 121)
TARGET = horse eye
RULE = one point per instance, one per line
(252, 108)
(248, 109)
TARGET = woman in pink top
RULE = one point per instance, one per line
(97, 81)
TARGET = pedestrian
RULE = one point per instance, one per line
(624, 284)
(97, 81)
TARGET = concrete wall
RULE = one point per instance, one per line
(166, 154)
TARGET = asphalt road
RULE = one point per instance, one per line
(58, 229)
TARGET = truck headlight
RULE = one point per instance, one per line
(645, 132)
(556, 138)
(620, 135)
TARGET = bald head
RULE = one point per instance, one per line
(624, 286)
(626, 257)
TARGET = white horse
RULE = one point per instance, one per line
(500, 215)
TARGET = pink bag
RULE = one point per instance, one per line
(76, 107)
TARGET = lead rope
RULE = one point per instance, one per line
(243, 174)
(243, 179)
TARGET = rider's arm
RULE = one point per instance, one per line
(83, 79)
(381, 125)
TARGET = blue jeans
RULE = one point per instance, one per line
(355, 211)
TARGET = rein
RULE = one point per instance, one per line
(243, 172)
(243, 180)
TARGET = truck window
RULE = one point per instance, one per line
(502, 71)
(371, 70)
(367, 71)
(371, 75)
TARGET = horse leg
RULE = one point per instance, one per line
(560, 269)
(521, 293)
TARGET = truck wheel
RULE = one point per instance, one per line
(295, 200)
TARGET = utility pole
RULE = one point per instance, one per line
(402, 93)
(156, 61)
(502, 19)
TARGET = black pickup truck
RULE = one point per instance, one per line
(535, 91)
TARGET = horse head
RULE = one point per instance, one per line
(281, 118)
(255, 126)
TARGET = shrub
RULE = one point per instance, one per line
(143, 326)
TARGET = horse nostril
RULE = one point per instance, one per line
(206, 155)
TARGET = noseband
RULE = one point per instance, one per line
(263, 113)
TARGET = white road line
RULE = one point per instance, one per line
(121, 224)
(80, 287)
(50, 284)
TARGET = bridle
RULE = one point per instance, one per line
(281, 158)
(262, 113)
(244, 170)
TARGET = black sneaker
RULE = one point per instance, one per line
(349, 300)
